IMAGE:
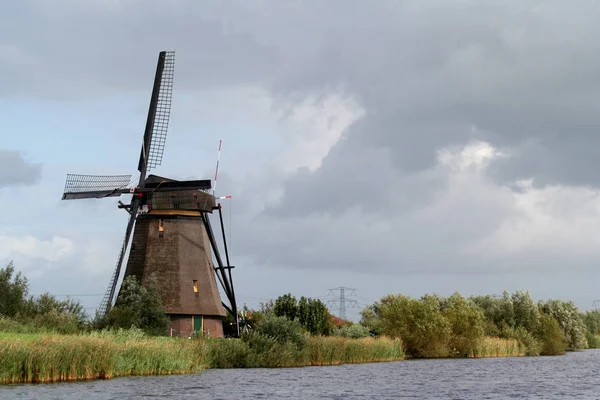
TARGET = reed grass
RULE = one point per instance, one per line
(497, 347)
(49, 357)
(260, 351)
(43, 358)
(333, 350)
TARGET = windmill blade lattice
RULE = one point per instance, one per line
(95, 186)
(163, 113)
(157, 123)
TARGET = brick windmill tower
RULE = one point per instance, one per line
(172, 234)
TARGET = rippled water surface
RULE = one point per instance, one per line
(573, 376)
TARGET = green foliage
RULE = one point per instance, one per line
(526, 312)
(286, 306)
(419, 323)
(354, 331)
(454, 326)
(569, 320)
(593, 340)
(467, 323)
(138, 306)
(591, 319)
(42, 313)
(532, 345)
(257, 350)
(312, 314)
(282, 330)
(370, 320)
(500, 311)
(51, 357)
(13, 291)
(551, 337)
(63, 316)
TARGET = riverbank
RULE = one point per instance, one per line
(43, 358)
(47, 357)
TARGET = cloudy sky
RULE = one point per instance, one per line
(416, 147)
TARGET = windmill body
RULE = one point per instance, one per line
(169, 228)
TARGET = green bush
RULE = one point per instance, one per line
(419, 323)
(138, 306)
(551, 337)
(532, 346)
(282, 330)
(354, 331)
(228, 353)
(569, 320)
(13, 291)
(467, 323)
(593, 340)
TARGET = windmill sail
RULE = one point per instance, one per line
(159, 112)
(95, 186)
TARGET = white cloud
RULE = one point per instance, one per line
(31, 247)
(313, 126)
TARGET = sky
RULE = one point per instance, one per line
(409, 147)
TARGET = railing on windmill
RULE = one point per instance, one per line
(188, 200)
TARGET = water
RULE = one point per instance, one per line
(573, 376)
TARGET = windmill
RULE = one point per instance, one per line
(173, 237)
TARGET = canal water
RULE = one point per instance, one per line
(572, 376)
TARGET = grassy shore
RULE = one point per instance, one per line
(55, 358)
(48, 357)
(45, 357)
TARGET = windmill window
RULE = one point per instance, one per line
(195, 286)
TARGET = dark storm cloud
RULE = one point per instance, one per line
(79, 49)
(524, 73)
(16, 170)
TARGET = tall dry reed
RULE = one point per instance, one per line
(338, 350)
(496, 347)
(55, 358)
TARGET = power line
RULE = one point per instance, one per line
(343, 302)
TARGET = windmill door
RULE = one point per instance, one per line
(198, 324)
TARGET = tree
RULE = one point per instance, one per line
(498, 311)
(138, 306)
(591, 319)
(526, 312)
(65, 316)
(569, 320)
(419, 323)
(369, 318)
(550, 336)
(286, 306)
(314, 316)
(467, 324)
(13, 291)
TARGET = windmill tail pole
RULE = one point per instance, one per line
(217, 168)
